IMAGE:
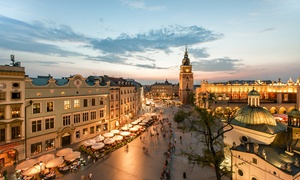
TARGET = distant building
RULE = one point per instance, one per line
(186, 79)
(278, 97)
(164, 90)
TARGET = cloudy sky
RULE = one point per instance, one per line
(146, 40)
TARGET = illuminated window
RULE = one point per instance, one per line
(77, 134)
(36, 148)
(67, 104)
(85, 131)
(36, 108)
(98, 128)
(76, 103)
(49, 144)
(49, 106)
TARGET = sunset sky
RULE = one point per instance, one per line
(146, 40)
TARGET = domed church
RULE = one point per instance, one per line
(261, 147)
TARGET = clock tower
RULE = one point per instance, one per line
(186, 79)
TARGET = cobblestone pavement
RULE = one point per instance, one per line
(134, 164)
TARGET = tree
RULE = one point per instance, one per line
(208, 127)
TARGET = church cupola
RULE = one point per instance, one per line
(253, 98)
(186, 60)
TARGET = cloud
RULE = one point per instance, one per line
(22, 36)
(266, 30)
(139, 4)
(126, 49)
(219, 64)
(161, 39)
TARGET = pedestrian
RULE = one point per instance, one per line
(90, 176)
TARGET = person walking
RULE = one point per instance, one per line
(90, 176)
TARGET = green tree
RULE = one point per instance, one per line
(208, 127)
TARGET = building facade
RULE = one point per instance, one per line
(12, 114)
(64, 111)
(186, 79)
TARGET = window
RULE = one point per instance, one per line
(15, 85)
(15, 111)
(85, 116)
(36, 148)
(2, 135)
(101, 113)
(2, 112)
(93, 102)
(77, 134)
(104, 127)
(111, 97)
(254, 160)
(2, 96)
(76, 103)
(92, 129)
(76, 118)
(49, 106)
(15, 95)
(240, 172)
(85, 131)
(66, 120)
(49, 144)
(85, 103)
(98, 128)
(67, 105)
(101, 101)
(15, 132)
(49, 123)
(93, 115)
(36, 125)
(36, 108)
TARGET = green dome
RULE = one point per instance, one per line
(253, 93)
(258, 119)
(294, 113)
(255, 115)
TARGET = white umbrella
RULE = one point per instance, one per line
(137, 126)
(134, 122)
(133, 129)
(98, 146)
(118, 137)
(45, 158)
(71, 157)
(26, 164)
(115, 131)
(34, 170)
(142, 124)
(128, 125)
(89, 142)
(124, 128)
(145, 121)
(109, 141)
(54, 162)
(99, 138)
(108, 135)
(125, 133)
(64, 152)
